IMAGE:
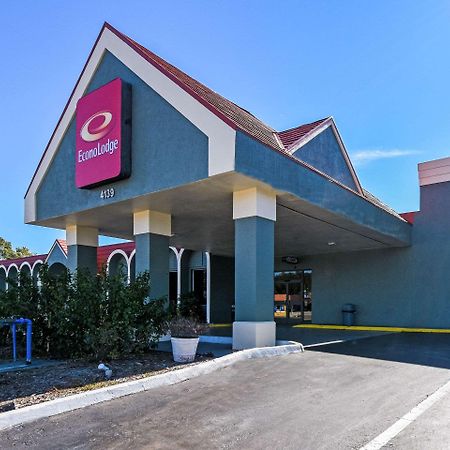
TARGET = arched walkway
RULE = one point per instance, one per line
(117, 264)
(25, 270)
(194, 276)
(12, 275)
(35, 272)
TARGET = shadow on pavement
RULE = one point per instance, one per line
(424, 349)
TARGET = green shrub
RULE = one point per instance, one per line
(82, 315)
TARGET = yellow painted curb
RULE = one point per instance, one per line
(220, 325)
(364, 328)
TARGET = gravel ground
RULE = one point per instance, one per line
(30, 386)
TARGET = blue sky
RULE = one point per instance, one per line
(380, 68)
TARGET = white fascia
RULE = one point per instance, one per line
(221, 137)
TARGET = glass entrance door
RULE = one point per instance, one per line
(295, 299)
(292, 300)
(198, 286)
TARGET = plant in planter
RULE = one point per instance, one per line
(185, 334)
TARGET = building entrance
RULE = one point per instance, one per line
(293, 300)
(198, 284)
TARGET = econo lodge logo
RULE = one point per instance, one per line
(97, 126)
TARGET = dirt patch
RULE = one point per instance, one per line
(36, 385)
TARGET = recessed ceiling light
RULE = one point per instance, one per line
(331, 243)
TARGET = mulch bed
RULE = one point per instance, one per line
(36, 385)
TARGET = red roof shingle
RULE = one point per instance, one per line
(63, 244)
(231, 113)
(290, 137)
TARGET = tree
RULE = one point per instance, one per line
(7, 251)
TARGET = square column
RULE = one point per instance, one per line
(254, 214)
(152, 230)
(82, 243)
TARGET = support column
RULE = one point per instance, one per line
(152, 230)
(254, 214)
(82, 243)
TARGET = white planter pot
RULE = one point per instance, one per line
(184, 349)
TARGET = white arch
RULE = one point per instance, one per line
(38, 278)
(26, 263)
(7, 274)
(208, 281)
(4, 268)
(132, 255)
(119, 251)
(9, 268)
(39, 261)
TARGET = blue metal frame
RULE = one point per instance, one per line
(12, 323)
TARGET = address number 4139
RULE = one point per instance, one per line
(107, 193)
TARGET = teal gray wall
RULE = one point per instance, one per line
(395, 287)
(254, 267)
(324, 153)
(277, 170)
(167, 151)
(81, 257)
(152, 255)
(222, 289)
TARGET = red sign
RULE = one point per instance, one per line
(103, 135)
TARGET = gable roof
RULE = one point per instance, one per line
(232, 114)
(59, 243)
(237, 118)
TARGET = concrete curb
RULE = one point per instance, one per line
(65, 404)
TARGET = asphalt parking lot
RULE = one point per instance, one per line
(338, 396)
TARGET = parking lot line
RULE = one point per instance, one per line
(369, 328)
(387, 435)
(319, 344)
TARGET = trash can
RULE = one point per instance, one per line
(348, 314)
